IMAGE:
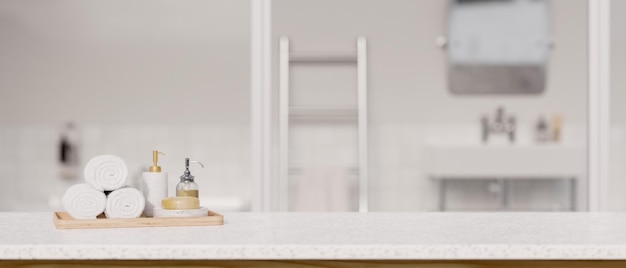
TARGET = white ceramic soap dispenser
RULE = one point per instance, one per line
(154, 185)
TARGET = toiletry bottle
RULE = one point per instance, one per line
(557, 123)
(154, 185)
(541, 130)
(186, 186)
(68, 152)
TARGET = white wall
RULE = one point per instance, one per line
(135, 75)
(617, 183)
(136, 61)
(409, 104)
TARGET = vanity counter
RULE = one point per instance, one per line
(327, 236)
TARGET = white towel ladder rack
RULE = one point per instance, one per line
(360, 60)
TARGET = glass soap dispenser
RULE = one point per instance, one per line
(186, 186)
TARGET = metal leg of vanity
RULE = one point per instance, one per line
(442, 194)
(504, 197)
(573, 194)
(504, 184)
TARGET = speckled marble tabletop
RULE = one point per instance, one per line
(418, 236)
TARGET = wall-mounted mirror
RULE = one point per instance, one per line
(498, 46)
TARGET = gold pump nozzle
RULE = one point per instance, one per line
(155, 158)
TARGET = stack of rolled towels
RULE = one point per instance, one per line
(105, 190)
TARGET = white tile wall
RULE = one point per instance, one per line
(29, 172)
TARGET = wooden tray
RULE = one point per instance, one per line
(62, 220)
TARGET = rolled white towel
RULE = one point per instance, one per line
(82, 201)
(106, 172)
(125, 203)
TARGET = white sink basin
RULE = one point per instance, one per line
(485, 161)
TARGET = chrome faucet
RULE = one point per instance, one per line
(502, 124)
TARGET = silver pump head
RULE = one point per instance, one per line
(187, 174)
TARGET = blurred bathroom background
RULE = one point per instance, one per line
(472, 105)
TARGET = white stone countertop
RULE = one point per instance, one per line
(417, 236)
